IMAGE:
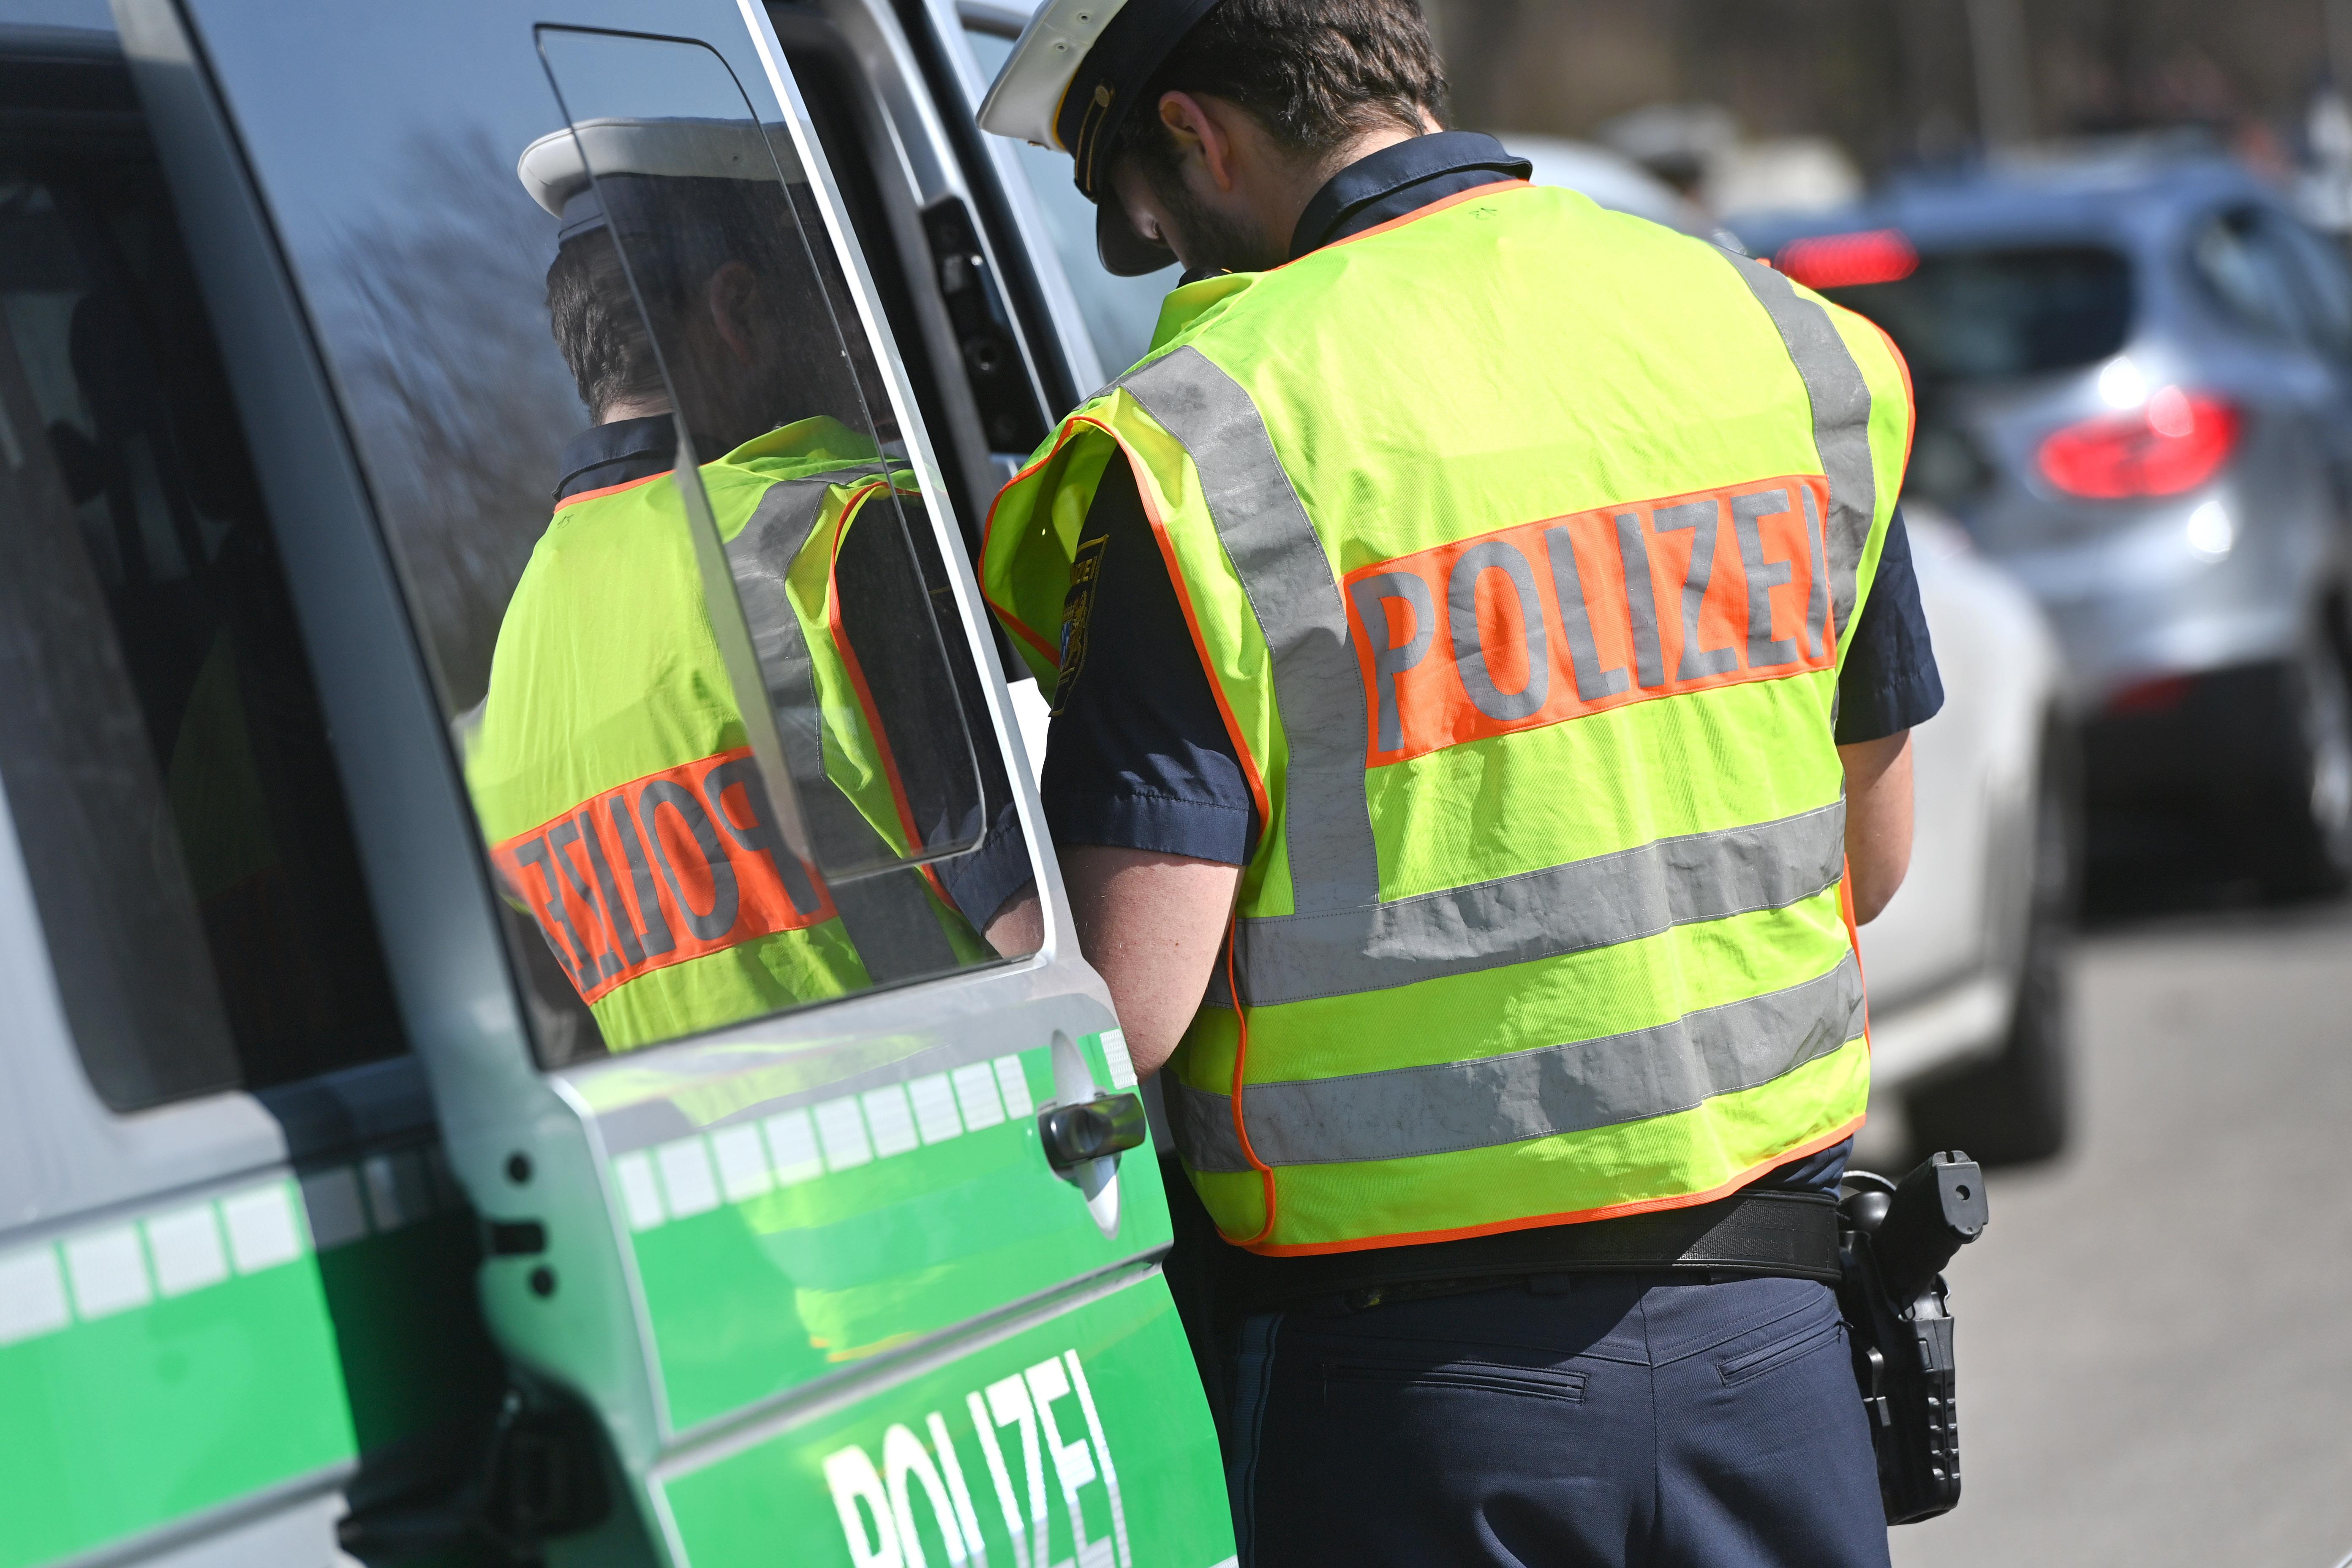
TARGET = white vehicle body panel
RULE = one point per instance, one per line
(1942, 960)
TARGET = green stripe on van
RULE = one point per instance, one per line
(147, 1406)
(1080, 1440)
(160, 1365)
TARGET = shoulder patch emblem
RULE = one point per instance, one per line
(1077, 614)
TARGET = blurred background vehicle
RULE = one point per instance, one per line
(2134, 375)
(2110, 1423)
(1612, 179)
(1971, 1022)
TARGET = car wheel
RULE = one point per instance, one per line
(2018, 1106)
(2302, 821)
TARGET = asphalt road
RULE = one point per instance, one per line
(2155, 1333)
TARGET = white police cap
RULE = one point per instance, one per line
(1074, 76)
(553, 170)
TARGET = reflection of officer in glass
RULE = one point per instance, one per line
(612, 768)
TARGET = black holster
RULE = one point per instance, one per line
(1894, 1242)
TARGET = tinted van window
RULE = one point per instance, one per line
(1985, 315)
(166, 762)
(637, 458)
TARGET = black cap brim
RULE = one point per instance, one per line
(1124, 252)
(1104, 88)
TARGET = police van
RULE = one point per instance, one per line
(344, 1215)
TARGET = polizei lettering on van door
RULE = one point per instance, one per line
(1552, 620)
(1043, 1469)
(661, 869)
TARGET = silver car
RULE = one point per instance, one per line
(2135, 388)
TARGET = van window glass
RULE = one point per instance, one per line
(165, 759)
(1977, 315)
(813, 836)
(693, 788)
(1120, 312)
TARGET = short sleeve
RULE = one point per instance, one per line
(1138, 756)
(1889, 681)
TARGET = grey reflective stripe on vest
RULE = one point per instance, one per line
(1584, 904)
(1540, 1093)
(889, 917)
(759, 557)
(1327, 822)
(1841, 400)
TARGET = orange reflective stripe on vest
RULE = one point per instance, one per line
(662, 870)
(1552, 620)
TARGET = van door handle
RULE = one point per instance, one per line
(1107, 1125)
(515, 1238)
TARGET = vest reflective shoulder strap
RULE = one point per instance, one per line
(889, 917)
(760, 559)
(1571, 908)
(1327, 822)
(1572, 1088)
(1841, 403)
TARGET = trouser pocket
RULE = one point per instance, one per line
(1748, 1365)
(1468, 1376)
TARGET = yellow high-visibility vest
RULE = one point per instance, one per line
(1521, 541)
(613, 772)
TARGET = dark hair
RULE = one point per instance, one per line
(1315, 73)
(683, 229)
(700, 224)
(597, 325)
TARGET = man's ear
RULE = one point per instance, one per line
(1199, 129)
(732, 296)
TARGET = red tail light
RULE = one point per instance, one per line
(2176, 443)
(2161, 695)
(1845, 261)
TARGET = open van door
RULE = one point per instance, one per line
(832, 1258)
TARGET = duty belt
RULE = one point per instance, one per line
(1750, 1235)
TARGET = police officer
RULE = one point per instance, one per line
(1483, 647)
(611, 767)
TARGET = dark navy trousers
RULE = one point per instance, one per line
(1585, 1421)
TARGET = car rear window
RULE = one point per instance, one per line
(1981, 315)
